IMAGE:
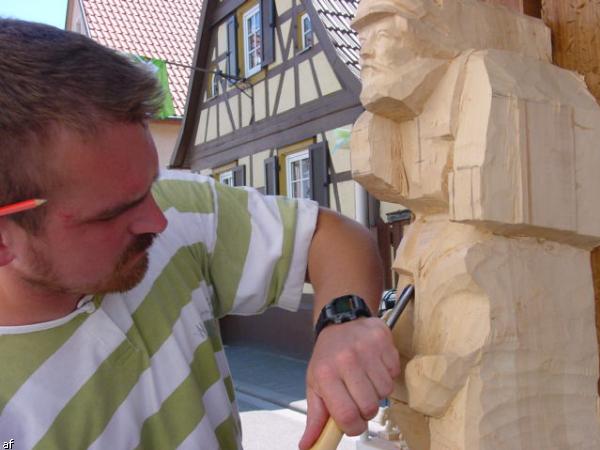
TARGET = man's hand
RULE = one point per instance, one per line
(352, 367)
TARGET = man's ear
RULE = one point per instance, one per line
(6, 253)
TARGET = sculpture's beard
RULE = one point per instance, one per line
(400, 94)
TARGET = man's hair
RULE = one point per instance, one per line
(52, 78)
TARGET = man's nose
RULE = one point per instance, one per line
(150, 218)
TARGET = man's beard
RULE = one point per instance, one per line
(125, 276)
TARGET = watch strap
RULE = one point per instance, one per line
(342, 309)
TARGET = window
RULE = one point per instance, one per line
(213, 90)
(252, 41)
(226, 178)
(307, 37)
(231, 174)
(298, 175)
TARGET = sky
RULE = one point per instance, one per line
(52, 12)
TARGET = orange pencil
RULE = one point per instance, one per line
(21, 206)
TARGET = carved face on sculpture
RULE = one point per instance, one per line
(405, 50)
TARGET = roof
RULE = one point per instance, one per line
(161, 29)
(336, 16)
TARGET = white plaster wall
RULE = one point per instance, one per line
(288, 94)
(340, 157)
(346, 193)
(283, 5)
(308, 88)
(211, 132)
(165, 133)
(258, 163)
(260, 108)
(272, 86)
(327, 78)
(201, 127)
(225, 126)
(246, 109)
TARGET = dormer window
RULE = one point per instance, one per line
(307, 37)
(252, 41)
(213, 90)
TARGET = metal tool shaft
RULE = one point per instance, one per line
(407, 294)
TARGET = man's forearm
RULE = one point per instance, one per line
(343, 259)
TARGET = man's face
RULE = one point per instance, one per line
(101, 216)
(402, 53)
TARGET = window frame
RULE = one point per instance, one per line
(291, 158)
(304, 33)
(225, 177)
(254, 11)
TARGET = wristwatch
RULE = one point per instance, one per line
(342, 309)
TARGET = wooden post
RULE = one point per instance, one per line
(529, 7)
(575, 36)
(596, 275)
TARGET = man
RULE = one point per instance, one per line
(110, 292)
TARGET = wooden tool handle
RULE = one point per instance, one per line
(330, 437)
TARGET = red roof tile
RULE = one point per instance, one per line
(164, 29)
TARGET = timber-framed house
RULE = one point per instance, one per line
(271, 104)
(275, 91)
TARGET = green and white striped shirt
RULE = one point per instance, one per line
(146, 369)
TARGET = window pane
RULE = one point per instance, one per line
(258, 24)
(306, 189)
(252, 41)
(308, 40)
(306, 21)
(305, 168)
(296, 171)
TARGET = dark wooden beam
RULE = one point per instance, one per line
(529, 7)
(258, 140)
(575, 36)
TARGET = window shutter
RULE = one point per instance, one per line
(232, 66)
(271, 176)
(239, 175)
(319, 173)
(267, 14)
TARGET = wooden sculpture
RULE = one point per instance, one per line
(497, 152)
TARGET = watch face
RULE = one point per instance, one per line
(344, 306)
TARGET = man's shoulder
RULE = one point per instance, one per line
(184, 191)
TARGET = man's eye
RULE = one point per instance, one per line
(107, 218)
